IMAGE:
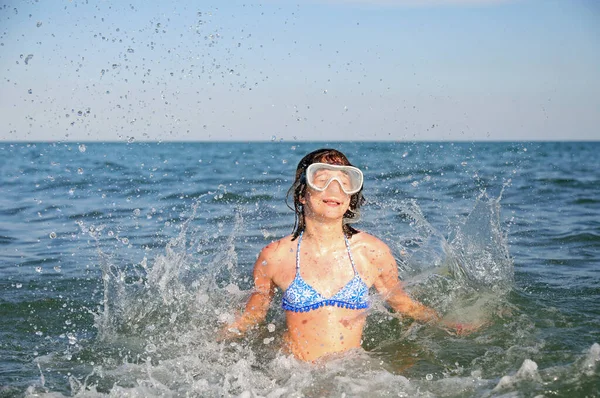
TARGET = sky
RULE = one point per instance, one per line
(328, 70)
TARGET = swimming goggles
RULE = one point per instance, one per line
(320, 175)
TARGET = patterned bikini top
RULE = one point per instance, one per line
(302, 297)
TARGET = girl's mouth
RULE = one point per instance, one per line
(332, 202)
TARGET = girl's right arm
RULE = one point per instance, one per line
(259, 301)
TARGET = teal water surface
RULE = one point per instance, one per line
(121, 261)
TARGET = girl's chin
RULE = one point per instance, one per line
(331, 214)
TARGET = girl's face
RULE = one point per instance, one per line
(331, 203)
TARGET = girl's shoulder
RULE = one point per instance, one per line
(279, 248)
(277, 258)
(366, 240)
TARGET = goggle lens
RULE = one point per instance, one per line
(320, 175)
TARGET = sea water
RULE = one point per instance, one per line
(122, 261)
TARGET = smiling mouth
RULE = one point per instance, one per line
(332, 202)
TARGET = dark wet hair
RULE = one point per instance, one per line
(298, 189)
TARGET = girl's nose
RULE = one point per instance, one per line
(334, 187)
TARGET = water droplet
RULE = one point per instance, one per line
(130, 50)
(30, 91)
(19, 285)
(136, 212)
(38, 269)
(72, 339)
(57, 268)
(52, 235)
(131, 140)
(28, 58)
(273, 138)
(271, 327)
(38, 24)
(82, 148)
(125, 241)
(80, 171)
(429, 376)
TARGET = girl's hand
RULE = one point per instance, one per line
(228, 332)
(460, 328)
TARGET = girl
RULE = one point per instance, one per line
(326, 267)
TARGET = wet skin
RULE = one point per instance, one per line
(325, 265)
(324, 331)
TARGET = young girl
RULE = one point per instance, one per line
(326, 267)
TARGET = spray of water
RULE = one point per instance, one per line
(465, 276)
(159, 319)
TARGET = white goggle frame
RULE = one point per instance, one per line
(355, 177)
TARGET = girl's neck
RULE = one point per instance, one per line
(323, 232)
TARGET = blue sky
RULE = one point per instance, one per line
(309, 70)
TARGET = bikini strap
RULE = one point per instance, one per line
(298, 252)
(350, 254)
(347, 247)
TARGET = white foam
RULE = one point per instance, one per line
(591, 360)
(527, 372)
(176, 321)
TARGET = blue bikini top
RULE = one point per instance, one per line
(301, 297)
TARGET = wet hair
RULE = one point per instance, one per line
(298, 190)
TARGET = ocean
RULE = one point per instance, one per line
(120, 262)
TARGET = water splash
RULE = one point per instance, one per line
(146, 300)
(480, 248)
(159, 319)
(463, 276)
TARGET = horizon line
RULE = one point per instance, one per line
(282, 141)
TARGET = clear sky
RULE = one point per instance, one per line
(304, 70)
